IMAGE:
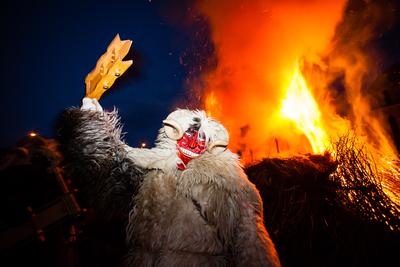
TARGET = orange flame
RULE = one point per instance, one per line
(270, 109)
(301, 107)
(211, 102)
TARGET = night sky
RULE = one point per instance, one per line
(48, 49)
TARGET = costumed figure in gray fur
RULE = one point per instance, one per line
(191, 203)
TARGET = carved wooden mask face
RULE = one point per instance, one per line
(191, 145)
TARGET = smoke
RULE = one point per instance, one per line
(350, 66)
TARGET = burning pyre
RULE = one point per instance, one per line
(293, 77)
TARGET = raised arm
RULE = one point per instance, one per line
(95, 156)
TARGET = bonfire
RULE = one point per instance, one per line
(297, 84)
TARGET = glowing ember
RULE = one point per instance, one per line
(300, 106)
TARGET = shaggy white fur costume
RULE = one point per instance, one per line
(206, 215)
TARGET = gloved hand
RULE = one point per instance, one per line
(91, 104)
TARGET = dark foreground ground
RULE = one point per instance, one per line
(306, 214)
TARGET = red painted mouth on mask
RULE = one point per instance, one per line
(191, 145)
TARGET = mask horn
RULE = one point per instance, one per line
(217, 147)
(172, 129)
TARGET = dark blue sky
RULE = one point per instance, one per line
(48, 48)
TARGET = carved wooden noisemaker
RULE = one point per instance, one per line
(108, 68)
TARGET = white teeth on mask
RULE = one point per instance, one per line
(189, 153)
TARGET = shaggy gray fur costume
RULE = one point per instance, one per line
(206, 215)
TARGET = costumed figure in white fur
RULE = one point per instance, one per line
(191, 203)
